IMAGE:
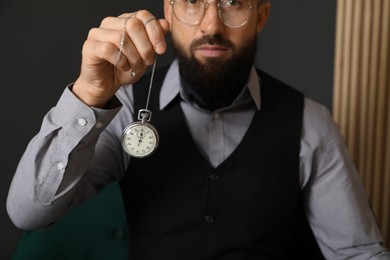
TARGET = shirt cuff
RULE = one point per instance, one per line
(78, 119)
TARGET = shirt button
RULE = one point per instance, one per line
(99, 125)
(209, 219)
(60, 166)
(216, 115)
(214, 177)
(82, 121)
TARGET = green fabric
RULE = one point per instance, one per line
(95, 230)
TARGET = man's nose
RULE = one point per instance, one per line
(212, 23)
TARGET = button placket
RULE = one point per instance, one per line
(213, 178)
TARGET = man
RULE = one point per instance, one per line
(246, 167)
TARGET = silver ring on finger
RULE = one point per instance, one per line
(149, 20)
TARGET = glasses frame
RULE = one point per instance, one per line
(206, 4)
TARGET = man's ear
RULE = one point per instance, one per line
(263, 12)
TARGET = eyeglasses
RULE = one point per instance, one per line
(233, 13)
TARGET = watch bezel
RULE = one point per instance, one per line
(132, 125)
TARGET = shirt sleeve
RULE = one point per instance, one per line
(337, 206)
(48, 180)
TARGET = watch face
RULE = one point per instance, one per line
(139, 139)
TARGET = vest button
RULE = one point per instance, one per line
(214, 177)
(209, 219)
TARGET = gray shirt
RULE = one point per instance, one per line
(78, 150)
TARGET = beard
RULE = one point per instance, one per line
(217, 82)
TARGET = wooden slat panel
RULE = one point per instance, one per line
(385, 224)
(372, 95)
(363, 109)
(354, 88)
(361, 99)
(345, 84)
(383, 89)
(338, 66)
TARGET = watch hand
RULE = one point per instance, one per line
(141, 134)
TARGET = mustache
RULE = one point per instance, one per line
(212, 40)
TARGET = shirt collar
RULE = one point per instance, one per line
(172, 85)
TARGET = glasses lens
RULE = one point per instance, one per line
(235, 13)
(188, 11)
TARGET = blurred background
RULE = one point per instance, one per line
(40, 53)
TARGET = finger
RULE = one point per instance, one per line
(96, 53)
(113, 22)
(146, 34)
(156, 31)
(153, 18)
(127, 56)
(136, 33)
(141, 40)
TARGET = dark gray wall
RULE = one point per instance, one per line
(40, 53)
(297, 46)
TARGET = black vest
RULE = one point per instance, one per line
(250, 207)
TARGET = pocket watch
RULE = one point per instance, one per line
(140, 138)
